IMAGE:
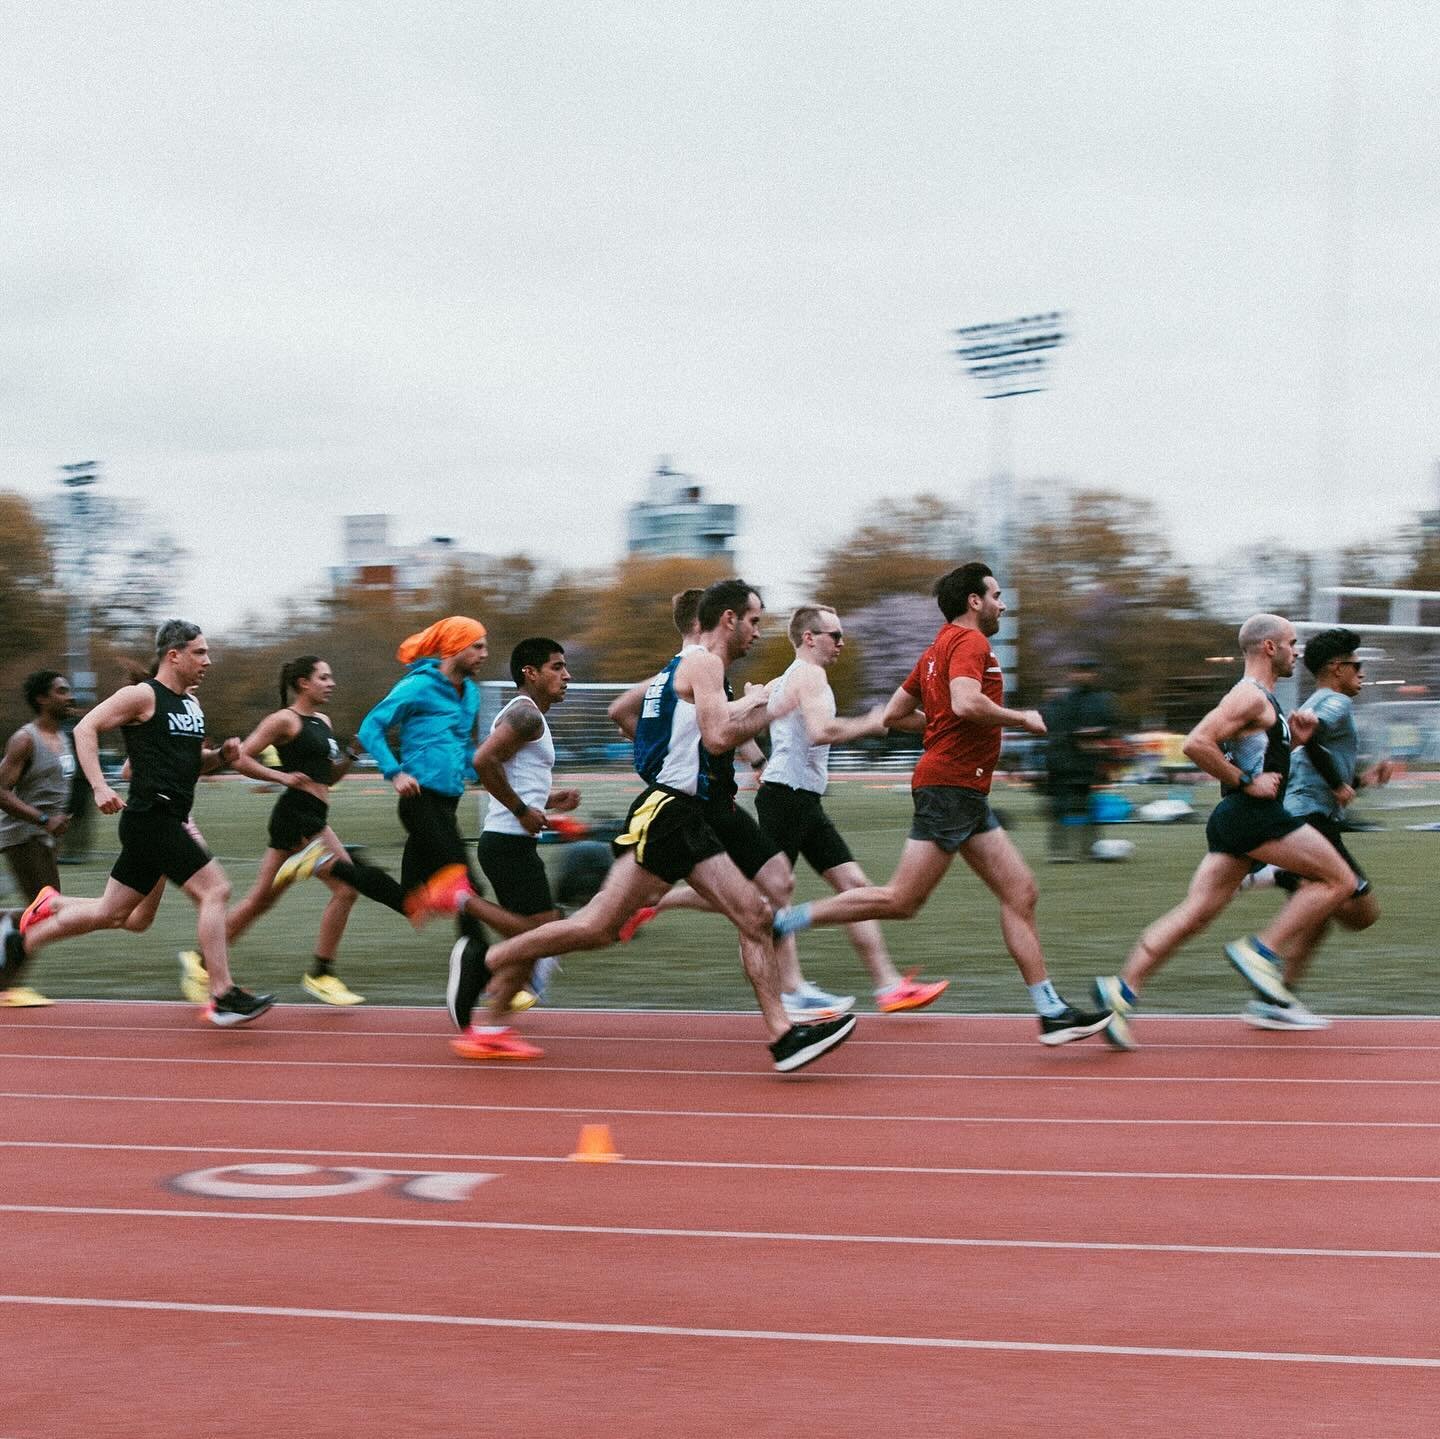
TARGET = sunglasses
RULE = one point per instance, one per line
(836, 635)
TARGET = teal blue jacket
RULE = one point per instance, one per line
(437, 728)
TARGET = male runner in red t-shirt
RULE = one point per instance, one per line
(954, 694)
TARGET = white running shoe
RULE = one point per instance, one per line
(1262, 1015)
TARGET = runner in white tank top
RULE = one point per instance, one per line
(803, 726)
(528, 771)
(516, 764)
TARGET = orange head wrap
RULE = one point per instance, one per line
(444, 638)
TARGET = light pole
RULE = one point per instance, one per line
(1007, 358)
(78, 479)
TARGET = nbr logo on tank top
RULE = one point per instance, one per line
(191, 722)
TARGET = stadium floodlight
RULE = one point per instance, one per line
(1007, 358)
(78, 548)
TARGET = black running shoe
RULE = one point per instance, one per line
(802, 1044)
(12, 953)
(1072, 1024)
(237, 1006)
(468, 980)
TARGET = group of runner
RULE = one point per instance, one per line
(686, 843)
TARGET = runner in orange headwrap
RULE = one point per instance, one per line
(444, 639)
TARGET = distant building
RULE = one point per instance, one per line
(370, 559)
(675, 519)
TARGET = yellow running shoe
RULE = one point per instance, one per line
(523, 1000)
(23, 999)
(301, 865)
(194, 982)
(330, 988)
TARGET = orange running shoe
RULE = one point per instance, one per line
(41, 907)
(477, 1043)
(443, 893)
(638, 920)
(910, 993)
(562, 826)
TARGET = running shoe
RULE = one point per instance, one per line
(12, 952)
(194, 982)
(910, 993)
(1263, 1015)
(1072, 1024)
(1111, 998)
(1260, 968)
(445, 892)
(811, 1005)
(544, 971)
(23, 998)
(637, 921)
(466, 981)
(803, 1044)
(41, 907)
(1260, 878)
(237, 1006)
(301, 865)
(478, 1043)
(330, 989)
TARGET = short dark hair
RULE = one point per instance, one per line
(1329, 645)
(683, 609)
(532, 653)
(37, 686)
(293, 671)
(175, 635)
(953, 591)
(733, 594)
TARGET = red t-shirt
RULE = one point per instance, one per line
(956, 752)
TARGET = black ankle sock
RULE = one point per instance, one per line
(320, 967)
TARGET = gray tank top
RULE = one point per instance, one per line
(45, 786)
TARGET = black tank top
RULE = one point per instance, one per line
(164, 753)
(721, 770)
(1263, 753)
(312, 752)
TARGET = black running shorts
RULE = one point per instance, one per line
(155, 845)
(296, 819)
(1240, 824)
(796, 820)
(668, 834)
(745, 842)
(949, 815)
(1330, 828)
(512, 864)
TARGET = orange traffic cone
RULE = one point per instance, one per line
(595, 1146)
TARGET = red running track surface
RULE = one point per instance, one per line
(327, 1222)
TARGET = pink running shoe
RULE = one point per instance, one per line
(41, 907)
(637, 921)
(910, 993)
(477, 1043)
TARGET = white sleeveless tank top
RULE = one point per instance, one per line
(794, 761)
(528, 771)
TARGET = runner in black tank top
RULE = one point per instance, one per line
(165, 753)
(164, 729)
(301, 842)
(1244, 742)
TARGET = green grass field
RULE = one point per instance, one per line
(1089, 916)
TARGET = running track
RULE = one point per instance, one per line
(942, 1229)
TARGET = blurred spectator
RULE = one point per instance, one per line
(1081, 723)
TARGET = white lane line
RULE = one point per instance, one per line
(629, 1162)
(1058, 1077)
(1031, 1120)
(768, 1236)
(676, 1331)
(1288, 1045)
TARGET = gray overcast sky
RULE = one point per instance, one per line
(479, 265)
